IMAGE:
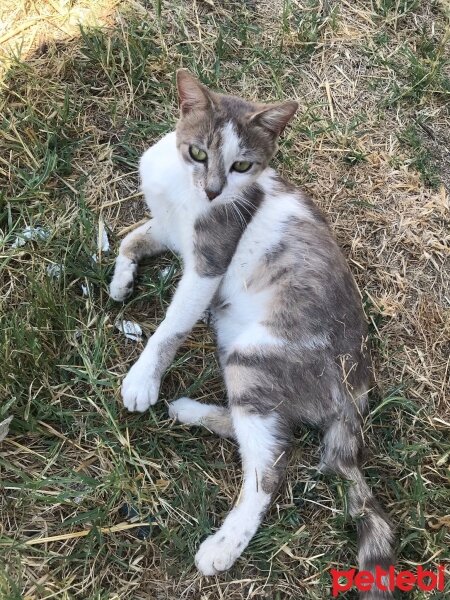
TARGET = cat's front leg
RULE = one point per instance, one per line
(145, 240)
(140, 387)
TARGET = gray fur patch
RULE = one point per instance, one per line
(273, 477)
(140, 243)
(167, 351)
(218, 232)
(220, 423)
(203, 127)
(316, 304)
(301, 385)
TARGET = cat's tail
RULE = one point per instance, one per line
(342, 449)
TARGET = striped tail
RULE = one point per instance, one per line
(342, 448)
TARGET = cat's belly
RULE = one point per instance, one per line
(239, 323)
(246, 296)
(241, 307)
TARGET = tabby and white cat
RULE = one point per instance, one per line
(291, 334)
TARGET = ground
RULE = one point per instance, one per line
(370, 145)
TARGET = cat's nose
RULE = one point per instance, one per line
(212, 193)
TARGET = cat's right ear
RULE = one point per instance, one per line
(192, 94)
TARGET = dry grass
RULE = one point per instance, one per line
(370, 144)
(26, 25)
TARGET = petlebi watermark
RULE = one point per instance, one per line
(387, 580)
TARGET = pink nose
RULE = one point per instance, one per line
(212, 194)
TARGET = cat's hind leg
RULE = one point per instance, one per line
(263, 445)
(142, 241)
(214, 418)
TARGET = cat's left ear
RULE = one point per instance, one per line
(275, 117)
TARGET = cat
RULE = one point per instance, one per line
(291, 333)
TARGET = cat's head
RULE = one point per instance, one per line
(226, 141)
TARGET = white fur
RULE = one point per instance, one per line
(232, 152)
(257, 442)
(231, 147)
(169, 194)
(124, 273)
(175, 205)
(241, 323)
(140, 388)
(125, 268)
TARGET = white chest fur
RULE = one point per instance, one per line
(169, 193)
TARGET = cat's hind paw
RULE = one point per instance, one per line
(219, 552)
(187, 411)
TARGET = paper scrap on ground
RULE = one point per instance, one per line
(4, 428)
(103, 242)
(130, 329)
(85, 289)
(30, 233)
(54, 270)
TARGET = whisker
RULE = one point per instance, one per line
(247, 205)
(239, 215)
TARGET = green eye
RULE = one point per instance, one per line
(197, 154)
(241, 166)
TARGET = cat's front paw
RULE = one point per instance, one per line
(139, 391)
(219, 552)
(122, 282)
(120, 290)
(121, 286)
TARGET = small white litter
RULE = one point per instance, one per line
(30, 233)
(164, 272)
(130, 329)
(105, 240)
(4, 428)
(102, 242)
(85, 289)
(54, 270)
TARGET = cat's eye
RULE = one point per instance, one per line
(197, 154)
(241, 166)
